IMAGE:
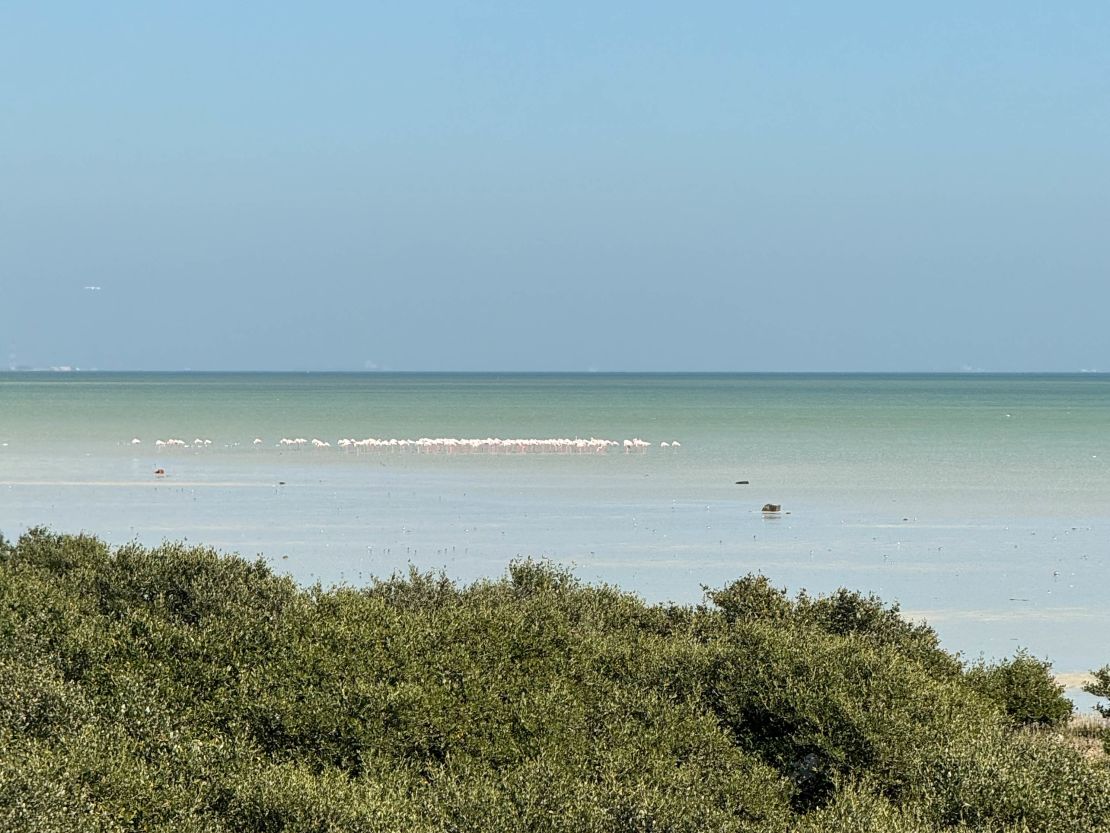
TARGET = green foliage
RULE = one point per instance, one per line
(178, 689)
(1100, 687)
(752, 599)
(1025, 688)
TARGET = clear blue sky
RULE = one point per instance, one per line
(618, 186)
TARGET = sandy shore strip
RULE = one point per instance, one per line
(1075, 680)
(154, 483)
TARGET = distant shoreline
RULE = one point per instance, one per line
(802, 374)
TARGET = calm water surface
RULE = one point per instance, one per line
(981, 503)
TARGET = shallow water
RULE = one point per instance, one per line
(981, 503)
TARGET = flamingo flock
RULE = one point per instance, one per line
(555, 445)
(298, 441)
(488, 445)
(176, 443)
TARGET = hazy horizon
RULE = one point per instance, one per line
(68, 370)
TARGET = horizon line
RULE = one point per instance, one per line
(67, 371)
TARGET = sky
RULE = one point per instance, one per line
(619, 186)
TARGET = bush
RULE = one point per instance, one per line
(1025, 688)
(177, 689)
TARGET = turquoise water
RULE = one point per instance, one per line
(981, 503)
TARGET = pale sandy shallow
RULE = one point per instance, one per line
(163, 481)
(1074, 681)
(1060, 614)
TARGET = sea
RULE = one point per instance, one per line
(979, 503)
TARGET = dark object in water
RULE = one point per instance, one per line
(772, 507)
(741, 482)
(159, 472)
